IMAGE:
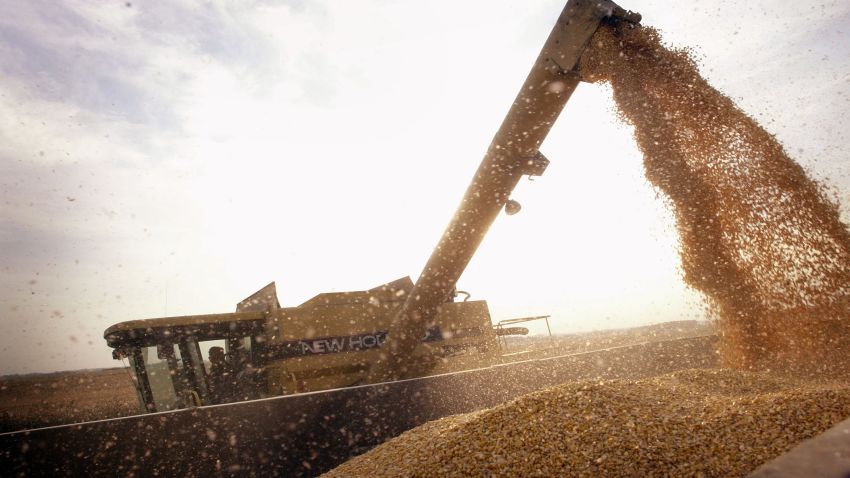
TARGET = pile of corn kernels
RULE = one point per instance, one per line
(716, 422)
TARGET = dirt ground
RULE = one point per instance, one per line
(40, 400)
(586, 341)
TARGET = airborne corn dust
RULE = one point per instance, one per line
(757, 237)
(763, 244)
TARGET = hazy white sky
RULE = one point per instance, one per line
(172, 157)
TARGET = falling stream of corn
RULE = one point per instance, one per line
(762, 243)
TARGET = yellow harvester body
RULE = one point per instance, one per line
(330, 341)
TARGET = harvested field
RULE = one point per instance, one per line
(691, 423)
(582, 342)
(40, 400)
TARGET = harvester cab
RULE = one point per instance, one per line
(179, 362)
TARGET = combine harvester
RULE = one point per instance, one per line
(263, 350)
(343, 372)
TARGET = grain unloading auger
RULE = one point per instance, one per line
(307, 432)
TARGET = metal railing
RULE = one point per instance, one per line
(502, 338)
